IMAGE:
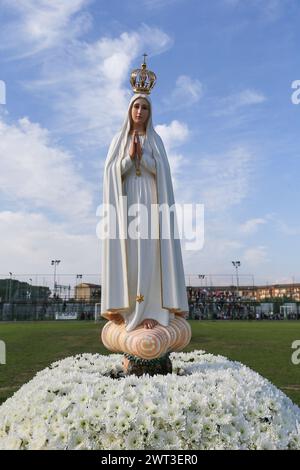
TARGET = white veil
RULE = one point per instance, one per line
(119, 141)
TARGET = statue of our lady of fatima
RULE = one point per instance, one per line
(143, 287)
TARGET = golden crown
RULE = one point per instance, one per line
(142, 80)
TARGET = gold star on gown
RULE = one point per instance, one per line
(139, 298)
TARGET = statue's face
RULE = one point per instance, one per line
(140, 111)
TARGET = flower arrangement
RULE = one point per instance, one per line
(208, 402)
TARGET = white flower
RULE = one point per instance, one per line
(144, 423)
(134, 440)
(128, 412)
(215, 404)
(157, 439)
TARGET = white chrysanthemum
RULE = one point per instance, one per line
(134, 440)
(208, 402)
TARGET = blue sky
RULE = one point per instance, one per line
(222, 104)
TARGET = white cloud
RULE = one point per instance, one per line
(272, 9)
(235, 102)
(248, 97)
(287, 229)
(88, 84)
(225, 179)
(187, 92)
(268, 10)
(224, 243)
(214, 259)
(29, 241)
(251, 225)
(36, 173)
(174, 135)
(255, 256)
(39, 25)
(282, 226)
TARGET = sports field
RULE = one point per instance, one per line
(263, 346)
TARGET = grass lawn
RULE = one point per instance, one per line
(263, 346)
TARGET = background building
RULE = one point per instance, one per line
(88, 292)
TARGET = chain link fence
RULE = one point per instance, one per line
(78, 297)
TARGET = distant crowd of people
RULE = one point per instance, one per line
(205, 303)
(86, 316)
(200, 294)
(226, 305)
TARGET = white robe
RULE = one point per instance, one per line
(144, 276)
(121, 279)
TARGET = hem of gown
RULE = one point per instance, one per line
(112, 311)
